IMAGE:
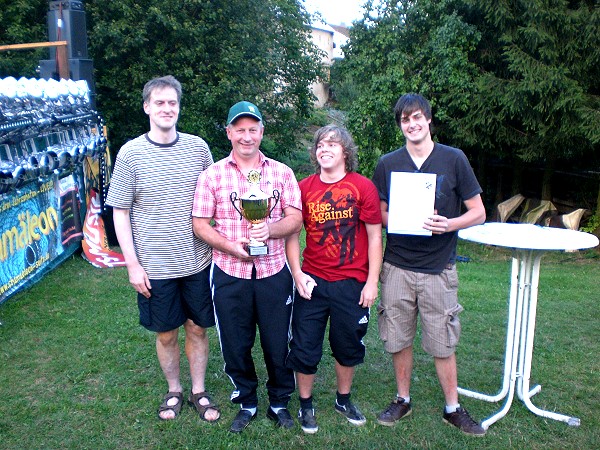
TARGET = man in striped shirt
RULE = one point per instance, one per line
(151, 193)
(250, 291)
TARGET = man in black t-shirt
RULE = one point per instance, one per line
(419, 275)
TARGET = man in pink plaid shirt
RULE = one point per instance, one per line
(250, 291)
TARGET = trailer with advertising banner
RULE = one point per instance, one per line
(54, 164)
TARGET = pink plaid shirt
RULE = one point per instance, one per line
(212, 199)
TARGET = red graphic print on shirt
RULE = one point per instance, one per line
(334, 216)
(336, 243)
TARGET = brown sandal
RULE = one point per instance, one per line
(194, 401)
(176, 408)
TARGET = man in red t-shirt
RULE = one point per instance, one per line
(340, 270)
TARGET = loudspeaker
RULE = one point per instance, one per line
(79, 69)
(73, 28)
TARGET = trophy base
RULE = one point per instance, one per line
(257, 250)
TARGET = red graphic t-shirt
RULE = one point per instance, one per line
(334, 217)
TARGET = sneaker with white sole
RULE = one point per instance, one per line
(282, 418)
(352, 413)
(308, 421)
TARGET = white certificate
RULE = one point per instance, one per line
(411, 202)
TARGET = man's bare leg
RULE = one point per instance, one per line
(167, 350)
(447, 375)
(305, 384)
(196, 350)
(344, 376)
(403, 365)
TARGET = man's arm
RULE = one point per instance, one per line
(137, 275)
(205, 231)
(304, 283)
(474, 215)
(291, 223)
(375, 253)
(384, 212)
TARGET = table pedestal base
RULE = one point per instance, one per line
(522, 308)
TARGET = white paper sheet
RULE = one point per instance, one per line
(411, 202)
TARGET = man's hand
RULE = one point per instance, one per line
(436, 224)
(139, 279)
(260, 231)
(238, 249)
(368, 295)
(304, 284)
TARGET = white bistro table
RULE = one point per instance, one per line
(529, 243)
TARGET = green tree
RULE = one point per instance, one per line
(406, 46)
(222, 51)
(537, 95)
(513, 81)
(23, 21)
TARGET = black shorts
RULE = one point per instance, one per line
(174, 301)
(338, 302)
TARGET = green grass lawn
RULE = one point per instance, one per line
(77, 371)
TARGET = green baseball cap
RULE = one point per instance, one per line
(242, 109)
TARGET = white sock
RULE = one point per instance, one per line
(276, 410)
(452, 408)
(252, 410)
(406, 399)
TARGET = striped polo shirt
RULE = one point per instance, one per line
(156, 182)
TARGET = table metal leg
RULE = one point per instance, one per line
(529, 318)
(525, 283)
(511, 350)
(520, 331)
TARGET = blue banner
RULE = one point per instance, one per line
(40, 226)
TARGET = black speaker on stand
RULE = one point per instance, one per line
(73, 29)
(66, 22)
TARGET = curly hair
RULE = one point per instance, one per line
(341, 136)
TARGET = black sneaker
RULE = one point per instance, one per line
(307, 419)
(463, 421)
(241, 421)
(352, 413)
(283, 418)
(394, 412)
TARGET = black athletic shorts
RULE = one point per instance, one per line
(336, 301)
(175, 300)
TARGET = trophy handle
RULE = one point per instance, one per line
(276, 197)
(233, 198)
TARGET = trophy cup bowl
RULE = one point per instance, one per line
(255, 210)
(255, 206)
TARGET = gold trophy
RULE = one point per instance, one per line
(255, 206)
